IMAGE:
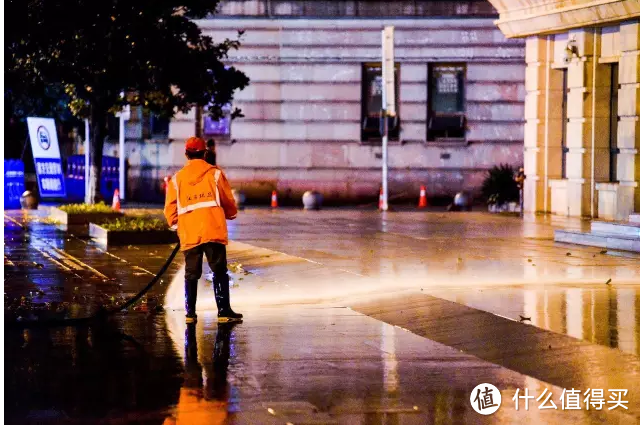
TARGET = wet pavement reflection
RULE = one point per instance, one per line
(87, 375)
(303, 356)
(607, 315)
(204, 396)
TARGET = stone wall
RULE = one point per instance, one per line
(302, 124)
(302, 121)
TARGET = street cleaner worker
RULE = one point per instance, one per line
(198, 203)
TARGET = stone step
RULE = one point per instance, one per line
(634, 218)
(608, 241)
(616, 228)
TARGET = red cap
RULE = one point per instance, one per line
(195, 144)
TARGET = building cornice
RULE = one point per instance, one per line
(548, 17)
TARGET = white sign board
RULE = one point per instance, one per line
(388, 72)
(46, 156)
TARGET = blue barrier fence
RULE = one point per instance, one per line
(14, 180)
(13, 183)
(74, 177)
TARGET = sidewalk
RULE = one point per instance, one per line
(302, 355)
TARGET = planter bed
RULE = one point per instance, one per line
(510, 207)
(81, 218)
(78, 223)
(115, 238)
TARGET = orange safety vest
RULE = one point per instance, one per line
(202, 191)
(198, 202)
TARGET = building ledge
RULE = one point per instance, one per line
(609, 60)
(530, 17)
(558, 183)
(607, 186)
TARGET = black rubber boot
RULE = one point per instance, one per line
(190, 297)
(221, 289)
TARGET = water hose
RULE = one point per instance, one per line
(102, 313)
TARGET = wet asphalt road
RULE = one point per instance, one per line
(350, 318)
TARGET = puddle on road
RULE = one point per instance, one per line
(84, 375)
(607, 315)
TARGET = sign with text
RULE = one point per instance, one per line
(13, 183)
(221, 127)
(46, 156)
(388, 72)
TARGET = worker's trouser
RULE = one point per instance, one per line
(216, 254)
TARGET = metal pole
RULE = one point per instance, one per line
(388, 107)
(86, 160)
(121, 140)
(594, 212)
(385, 165)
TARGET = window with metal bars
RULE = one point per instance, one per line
(371, 130)
(613, 125)
(565, 121)
(446, 114)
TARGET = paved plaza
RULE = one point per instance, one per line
(351, 316)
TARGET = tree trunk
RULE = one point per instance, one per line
(98, 132)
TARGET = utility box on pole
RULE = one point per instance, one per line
(388, 107)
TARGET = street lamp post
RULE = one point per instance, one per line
(388, 107)
(86, 161)
(123, 115)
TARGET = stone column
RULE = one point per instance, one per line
(538, 52)
(629, 124)
(556, 185)
(578, 157)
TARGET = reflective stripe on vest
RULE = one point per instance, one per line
(200, 205)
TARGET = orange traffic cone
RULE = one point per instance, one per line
(380, 200)
(274, 199)
(116, 200)
(423, 197)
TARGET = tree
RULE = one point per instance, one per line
(111, 53)
(51, 101)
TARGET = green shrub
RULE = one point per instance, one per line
(136, 223)
(86, 208)
(500, 186)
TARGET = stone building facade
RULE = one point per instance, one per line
(582, 107)
(311, 112)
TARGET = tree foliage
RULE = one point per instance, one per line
(150, 50)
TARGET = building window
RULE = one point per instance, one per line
(113, 127)
(158, 126)
(565, 120)
(446, 113)
(154, 126)
(371, 129)
(613, 125)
